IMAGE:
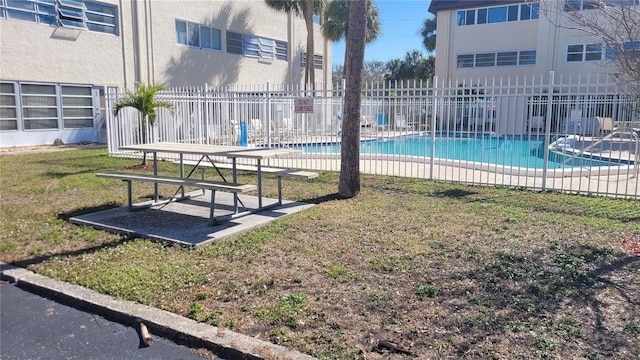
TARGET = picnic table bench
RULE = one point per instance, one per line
(275, 171)
(181, 182)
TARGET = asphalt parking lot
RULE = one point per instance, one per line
(34, 327)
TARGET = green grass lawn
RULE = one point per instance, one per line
(444, 270)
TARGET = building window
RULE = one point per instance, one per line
(470, 17)
(630, 48)
(256, 46)
(461, 18)
(513, 12)
(509, 58)
(505, 58)
(466, 61)
(234, 43)
(101, 18)
(77, 107)
(8, 108)
(498, 14)
(259, 47)
(45, 106)
(281, 50)
(529, 11)
(584, 52)
(576, 5)
(199, 36)
(39, 106)
(317, 61)
(72, 14)
(486, 60)
(527, 57)
(83, 15)
(482, 16)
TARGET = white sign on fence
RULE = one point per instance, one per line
(304, 105)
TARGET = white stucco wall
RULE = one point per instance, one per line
(180, 65)
(33, 52)
(146, 50)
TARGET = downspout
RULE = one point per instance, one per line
(149, 36)
(135, 30)
(123, 45)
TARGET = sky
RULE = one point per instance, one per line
(401, 23)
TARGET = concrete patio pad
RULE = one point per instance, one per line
(187, 222)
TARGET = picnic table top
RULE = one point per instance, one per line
(204, 149)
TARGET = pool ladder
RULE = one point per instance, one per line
(634, 136)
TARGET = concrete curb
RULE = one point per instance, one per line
(224, 343)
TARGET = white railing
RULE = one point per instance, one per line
(506, 132)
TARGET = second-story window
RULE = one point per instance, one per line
(584, 52)
(256, 46)
(498, 14)
(83, 15)
(577, 5)
(197, 35)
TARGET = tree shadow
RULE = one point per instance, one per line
(552, 296)
(322, 199)
(455, 193)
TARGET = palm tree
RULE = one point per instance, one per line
(307, 8)
(414, 66)
(336, 17)
(143, 100)
(428, 33)
(349, 185)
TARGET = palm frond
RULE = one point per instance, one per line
(144, 100)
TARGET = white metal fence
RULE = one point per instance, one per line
(583, 138)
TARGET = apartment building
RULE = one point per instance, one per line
(509, 38)
(59, 57)
(492, 45)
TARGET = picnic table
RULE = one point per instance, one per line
(204, 153)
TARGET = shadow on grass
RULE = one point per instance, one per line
(322, 199)
(66, 216)
(454, 193)
(553, 300)
(60, 175)
(41, 259)
(86, 210)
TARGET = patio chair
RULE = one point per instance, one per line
(605, 125)
(256, 131)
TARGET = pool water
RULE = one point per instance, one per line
(517, 151)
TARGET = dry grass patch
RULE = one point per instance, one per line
(444, 270)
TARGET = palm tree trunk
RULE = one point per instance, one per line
(350, 156)
(143, 128)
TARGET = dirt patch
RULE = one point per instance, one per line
(139, 167)
(49, 148)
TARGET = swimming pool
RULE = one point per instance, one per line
(513, 151)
